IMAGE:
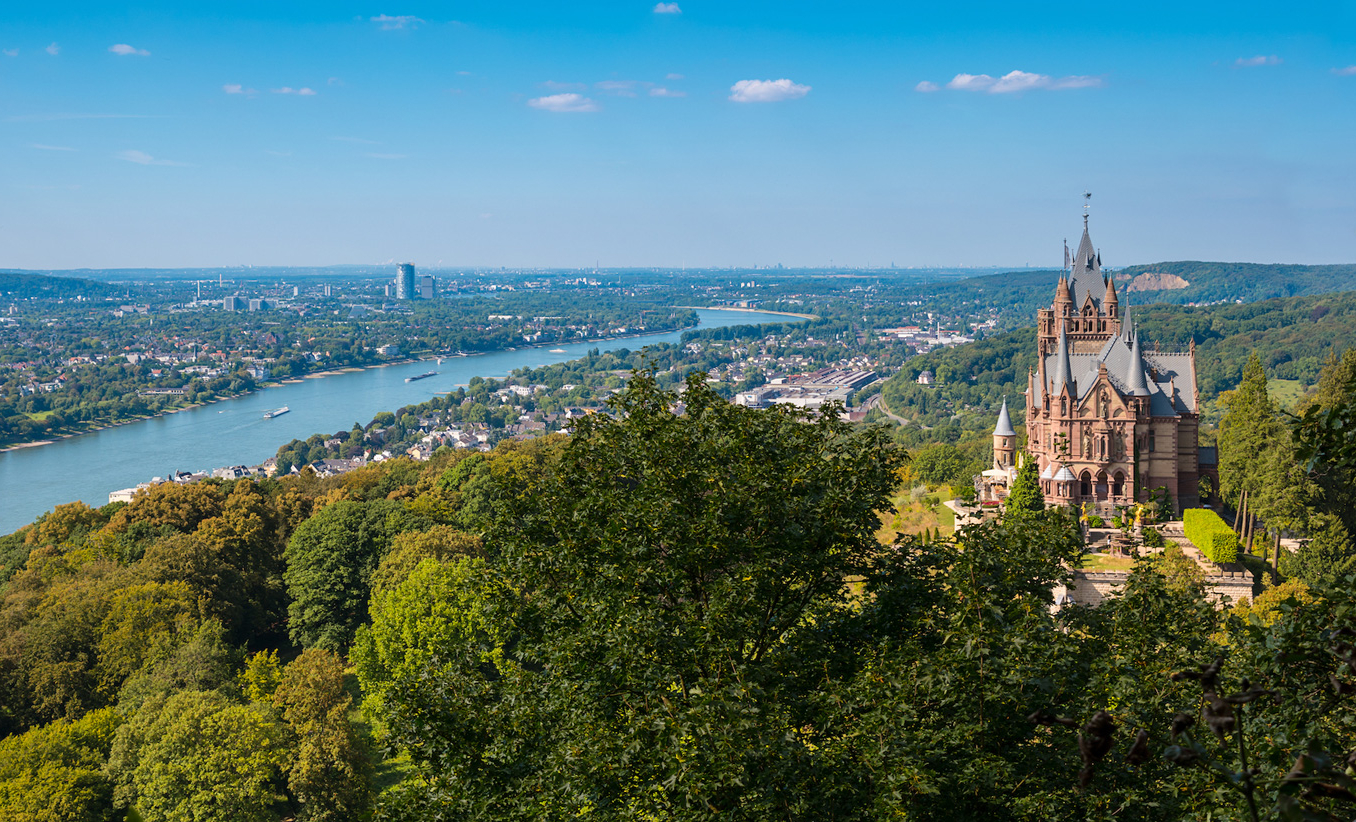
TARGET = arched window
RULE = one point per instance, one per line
(1152, 440)
(1101, 485)
(1085, 484)
(1118, 485)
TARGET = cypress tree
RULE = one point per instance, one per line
(1025, 496)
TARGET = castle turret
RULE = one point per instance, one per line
(1004, 440)
(1110, 304)
(1063, 376)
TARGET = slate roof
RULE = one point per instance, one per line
(1004, 426)
(1086, 280)
(1121, 357)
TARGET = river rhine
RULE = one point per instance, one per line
(234, 432)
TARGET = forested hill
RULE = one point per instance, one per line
(1249, 282)
(1018, 294)
(23, 286)
(1293, 336)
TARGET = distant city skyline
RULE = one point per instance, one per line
(686, 134)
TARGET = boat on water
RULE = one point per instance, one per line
(422, 376)
(557, 351)
(277, 412)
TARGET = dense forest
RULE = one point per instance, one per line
(1295, 336)
(649, 620)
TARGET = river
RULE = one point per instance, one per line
(234, 432)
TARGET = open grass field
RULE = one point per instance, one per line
(1287, 393)
(1106, 562)
(913, 514)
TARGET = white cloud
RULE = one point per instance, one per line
(386, 156)
(927, 87)
(1259, 60)
(667, 8)
(623, 88)
(766, 91)
(144, 159)
(236, 88)
(660, 91)
(399, 21)
(673, 76)
(1349, 71)
(11, 52)
(53, 49)
(563, 103)
(50, 148)
(970, 82)
(304, 92)
(1016, 81)
(125, 50)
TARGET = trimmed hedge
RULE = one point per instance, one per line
(1211, 534)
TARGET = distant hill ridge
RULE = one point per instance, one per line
(23, 285)
(1249, 282)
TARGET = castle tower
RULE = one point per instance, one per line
(1004, 441)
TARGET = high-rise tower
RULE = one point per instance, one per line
(404, 281)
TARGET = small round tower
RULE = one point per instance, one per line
(1004, 441)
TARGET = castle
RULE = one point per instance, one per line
(1108, 420)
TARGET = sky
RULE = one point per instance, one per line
(693, 133)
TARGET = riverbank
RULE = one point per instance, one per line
(334, 372)
(34, 479)
(749, 310)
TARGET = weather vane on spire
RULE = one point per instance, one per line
(1087, 197)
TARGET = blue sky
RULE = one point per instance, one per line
(696, 133)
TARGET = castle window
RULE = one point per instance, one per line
(1118, 484)
(1085, 484)
(1151, 441)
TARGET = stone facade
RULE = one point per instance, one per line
(1223, 588)
(1108, 419)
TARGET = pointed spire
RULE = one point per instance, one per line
(1066, 253)
(1110, 297)
(1139, 387)
(1004, 426)
(1063, 372)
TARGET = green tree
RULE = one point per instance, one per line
(1327, 557)
(441, 542)
(1025, 497)
(330, 560)
(330, 772)
(56, 772)
(196, 756)
(665, 583)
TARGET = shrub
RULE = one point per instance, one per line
(1211, 534)
(1095, 521)
(1152, 538)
